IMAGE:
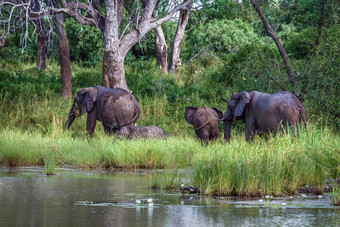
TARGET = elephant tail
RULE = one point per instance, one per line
(205, 123)
(134, 119)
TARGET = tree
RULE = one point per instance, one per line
(118, 44)
(175, 62)
(65, 63)
(276, 39)
(117, 38)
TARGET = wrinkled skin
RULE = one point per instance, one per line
(134, 132)
(263, 112)
(204, 121)
(114, 107)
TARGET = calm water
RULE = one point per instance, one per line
(75, 198)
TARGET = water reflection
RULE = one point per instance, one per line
(28, 198)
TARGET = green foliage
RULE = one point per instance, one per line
(222, 37)
(86, 43)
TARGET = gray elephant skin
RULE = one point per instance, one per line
(134, 132)
(204, 120)
(263, 112)
(114, 107)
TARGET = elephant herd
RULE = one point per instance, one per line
(118, 110)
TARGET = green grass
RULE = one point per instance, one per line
(277, 165)
(335, 196)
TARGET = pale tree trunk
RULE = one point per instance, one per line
(117, 47)
(175, 61)
(113, 62)
(161, 49)
(65, 63)
(284, 56)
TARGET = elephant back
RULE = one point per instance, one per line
(204, 116)
(117, 108)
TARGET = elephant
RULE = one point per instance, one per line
(263, 112)
(114, 107)
(132, 132)
(204, 121)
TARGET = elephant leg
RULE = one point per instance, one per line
(250, 129)
(203, 134)
(91, 121)
(107, 130)
(214, 134)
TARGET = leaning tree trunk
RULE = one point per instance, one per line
(161, 49)
(41, 40)
(175, 61)
(282, 51)
(65, 63)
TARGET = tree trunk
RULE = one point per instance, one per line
(113, 71)
(41, 58)
(65, 63)
(175, 61)
(113, 62)
(284, 56)
(320, 24)
(162, 49)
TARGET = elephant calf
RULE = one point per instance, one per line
(132, 132)
(204, 121)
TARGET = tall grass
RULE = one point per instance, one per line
(277, 165)
(335, 196)
(274, 166)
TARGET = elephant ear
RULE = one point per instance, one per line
(189, 113)
(219, 113)
(243, 98)
(90, 96)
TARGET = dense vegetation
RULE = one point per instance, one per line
(234, 54)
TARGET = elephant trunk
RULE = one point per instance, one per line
(226, 128)
(71, 116)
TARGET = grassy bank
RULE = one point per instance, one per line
(268, 166)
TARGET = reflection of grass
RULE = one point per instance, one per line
(272, 166)
(335, 196)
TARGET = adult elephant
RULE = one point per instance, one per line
(114, 107)
(204, 121)
(263, 112)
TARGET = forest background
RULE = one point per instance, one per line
(225, 49)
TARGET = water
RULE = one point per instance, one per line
(79, 198)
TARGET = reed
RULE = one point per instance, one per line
(335, 196)
(274, 166)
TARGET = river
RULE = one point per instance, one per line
(120, 198)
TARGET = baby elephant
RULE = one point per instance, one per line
(132, 132)
(204, 121)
